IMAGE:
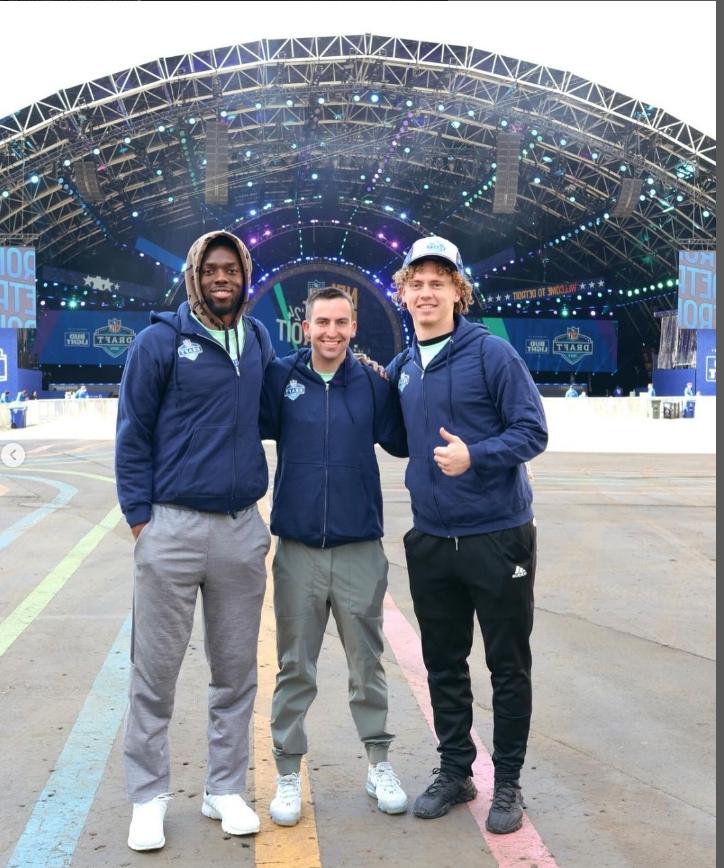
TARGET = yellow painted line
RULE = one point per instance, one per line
(277, 845)
(24, 614)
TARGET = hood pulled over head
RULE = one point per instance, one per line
(195, 257)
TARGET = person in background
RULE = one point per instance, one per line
(22, 395)
(190, 468)
(571, 393)
(82, 392)
(650, 391)
(33, 395)
(617, 391)
(690, 403)
(5, 397)
(473, 417)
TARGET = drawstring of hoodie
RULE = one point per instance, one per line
(228, 347)
(450, 404)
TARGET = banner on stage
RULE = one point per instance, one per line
(697, 289)
(706, 362)
(553, 345)
(87, 337)
(17, 288)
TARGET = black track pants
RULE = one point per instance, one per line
(489, 575)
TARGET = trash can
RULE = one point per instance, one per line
(17, 417)
(656, 408)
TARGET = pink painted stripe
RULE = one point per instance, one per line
(524, 847)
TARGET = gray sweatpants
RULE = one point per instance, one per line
(178, 552)
(351, 580)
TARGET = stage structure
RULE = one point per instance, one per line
(360, 129)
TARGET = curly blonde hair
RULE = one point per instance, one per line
(461, 283)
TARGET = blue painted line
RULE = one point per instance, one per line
(65, 495)
(52, 832)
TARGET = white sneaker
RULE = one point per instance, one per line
(237, 818)
(146, 831)
(384, 785)
(286, 806)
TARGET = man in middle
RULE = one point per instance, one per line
(326, 411)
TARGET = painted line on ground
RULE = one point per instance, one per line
(52, 832)
(27, 611)
(276, 845)
(524, 847)
(64, 496)
(43, 469)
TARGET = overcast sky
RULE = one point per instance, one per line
(661, 52)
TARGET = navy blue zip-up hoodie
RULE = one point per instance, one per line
(188, 419)
(479, 388)
(327, 483)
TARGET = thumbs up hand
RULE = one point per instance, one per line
(453, 459)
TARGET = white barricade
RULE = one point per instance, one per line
(574, 424)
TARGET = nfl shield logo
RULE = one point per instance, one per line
(294, 390)
(114, 325)
(189, 350)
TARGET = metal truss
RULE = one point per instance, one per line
(389, 126)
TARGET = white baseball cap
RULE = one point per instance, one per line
(436, 248)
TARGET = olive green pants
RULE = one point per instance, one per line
(350, 580)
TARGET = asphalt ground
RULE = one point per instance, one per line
(621, 759)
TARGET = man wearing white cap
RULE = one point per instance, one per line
(474, 418)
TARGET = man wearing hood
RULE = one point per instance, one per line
(190, 468)
(473, 418)
(326, 411)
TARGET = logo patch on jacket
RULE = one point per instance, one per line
(403, 381)
(294, 390)
(189, 350)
